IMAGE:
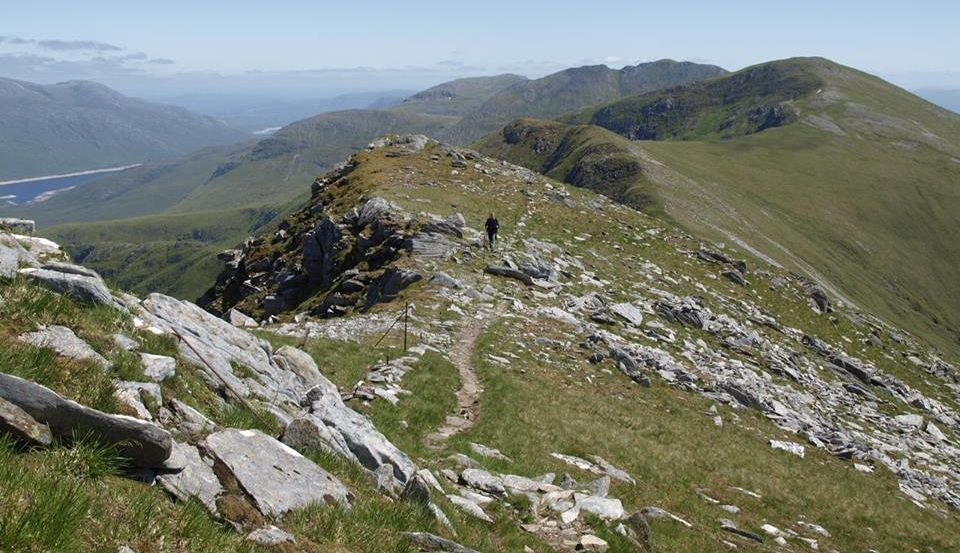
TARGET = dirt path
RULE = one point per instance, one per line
(468, 396)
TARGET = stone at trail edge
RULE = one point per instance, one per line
(24, 428)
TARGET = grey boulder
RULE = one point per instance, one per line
(84, 289)
(147, 445)
(64, 342)
(276, 478)
(191, 476)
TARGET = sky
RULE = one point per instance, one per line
(298, 48)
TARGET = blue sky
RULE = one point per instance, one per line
(298, 46)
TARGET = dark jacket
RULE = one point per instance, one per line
(493, 225)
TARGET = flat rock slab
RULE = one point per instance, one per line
(628, 312)
(19, 424)
(63, 341)
(275, 477)
(194, 477)
(147, 445)
(85, 289)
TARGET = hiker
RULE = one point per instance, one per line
(493, 226)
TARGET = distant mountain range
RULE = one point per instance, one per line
(816, 166)
(81, 125)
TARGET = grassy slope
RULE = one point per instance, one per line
(548, 401)
(860, 191)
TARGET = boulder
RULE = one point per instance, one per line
(482, 480)
(12, 256)
(323, 248)
(589, 542)
(499, 270)
(441, 278)
(276, 478)
(191, 475)
(628, 312)
(270, 536)
(603, 507)
(241, 320)
(158, 367)
(24, 428)
(85, 289)
(147, 445)
(125, 342)
(64, 342)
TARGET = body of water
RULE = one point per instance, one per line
(18, 192)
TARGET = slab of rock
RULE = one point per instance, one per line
(63, 341)
(300, 363)
(84, 289)
(191, 476)
(210, 340)
(275, 477)
(469, 507)
(482, 480)
(628, 312)
(417, 490)
(731, 527)
(24, 428)
(158, 367)
(147, 445)
(431, 542)
(357, 434)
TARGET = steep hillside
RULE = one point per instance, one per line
(460, 96)
(595, 330)
(855, 184)
(572, 89)
(82, 125)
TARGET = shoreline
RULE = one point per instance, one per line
(77, 174)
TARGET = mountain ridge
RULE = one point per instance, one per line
(78, 125)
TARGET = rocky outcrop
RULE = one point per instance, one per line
(145, 444)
